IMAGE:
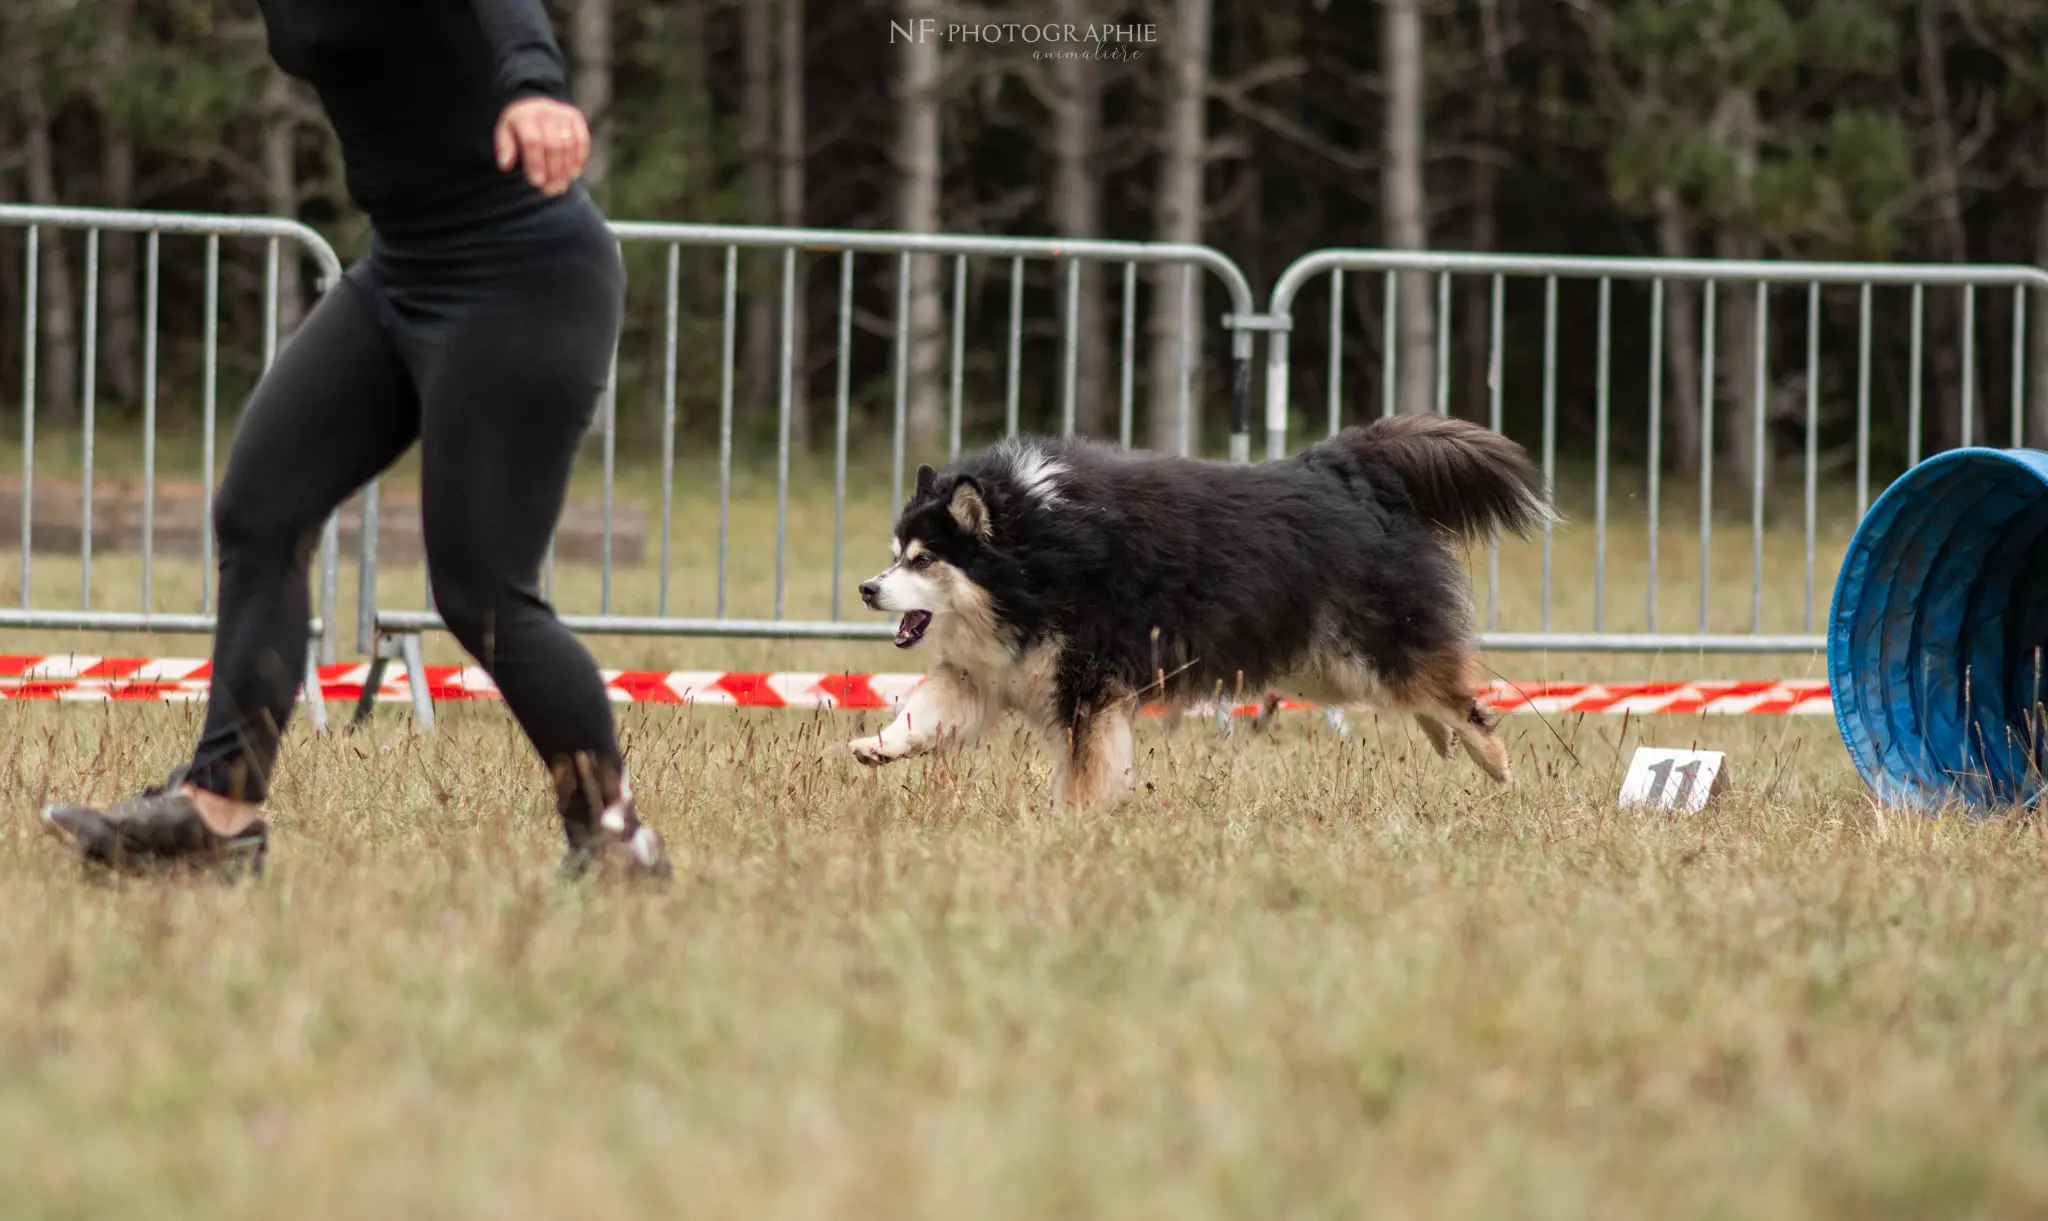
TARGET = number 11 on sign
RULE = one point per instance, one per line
(1680, 780)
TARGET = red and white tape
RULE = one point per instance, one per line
(72, 676)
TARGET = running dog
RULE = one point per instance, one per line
(1070, 582)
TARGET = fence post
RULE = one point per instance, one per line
(385, 632)
(40, 222)
(1655, 272)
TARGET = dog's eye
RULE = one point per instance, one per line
(922, 562)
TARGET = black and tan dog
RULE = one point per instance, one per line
(1070, 582)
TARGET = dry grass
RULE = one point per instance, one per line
(1301, 978)
(1296, 977)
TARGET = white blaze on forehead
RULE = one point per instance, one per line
(896, 548)
(1036, 472)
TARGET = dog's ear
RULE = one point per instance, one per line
(970, 511)
(926, 476)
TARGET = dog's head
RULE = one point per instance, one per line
(938, 534)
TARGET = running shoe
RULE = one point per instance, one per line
(614, 842)
(619, 843)
(159, 827)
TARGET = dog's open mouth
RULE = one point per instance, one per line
(911, 628)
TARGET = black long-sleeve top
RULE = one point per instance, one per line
(414, 89)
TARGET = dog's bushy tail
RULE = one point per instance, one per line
(1465, 478)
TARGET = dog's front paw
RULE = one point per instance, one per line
(870, 751)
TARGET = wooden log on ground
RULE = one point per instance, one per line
(117, 525)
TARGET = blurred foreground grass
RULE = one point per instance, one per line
(1296, 976)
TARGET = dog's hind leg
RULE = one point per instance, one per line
(1098, 768)
(1442, 690)
(945, 709)
(1437, 693)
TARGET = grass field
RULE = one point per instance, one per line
(1296, 976)
(1301, 977)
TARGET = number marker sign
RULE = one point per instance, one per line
(1681, 780)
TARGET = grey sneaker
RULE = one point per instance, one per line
(616, 841)
(159, 827)
(619, 842)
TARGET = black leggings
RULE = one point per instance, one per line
(491, 352)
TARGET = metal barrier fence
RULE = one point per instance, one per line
(36, 223)
(1879, 313)
(1854, 287)
(390, 633)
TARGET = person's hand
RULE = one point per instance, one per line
(549, 138)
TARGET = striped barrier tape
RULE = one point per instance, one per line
(72, 676)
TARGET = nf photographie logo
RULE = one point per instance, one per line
(1050, 39)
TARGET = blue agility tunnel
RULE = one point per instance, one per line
(1937, 637)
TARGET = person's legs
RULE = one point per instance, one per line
(506, 396)
(337, 408)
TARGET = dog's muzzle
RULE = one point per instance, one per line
(910, 628)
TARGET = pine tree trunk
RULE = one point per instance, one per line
(1178, 211)
(121, 328)
(11, 256)
(789, 156)
(1681, 342)
(701, 290)
(1946, 236)
(1077, 213)
(761, 340)
(57, 359)
(590, 40)
(1736, 117)
(2037, 328)
(693, 72)
(1404, 210)
(918, 168)
(281, 194)
(1735, 363)
(1478, 336)
(1475, 339)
